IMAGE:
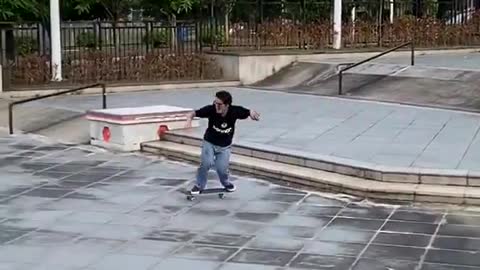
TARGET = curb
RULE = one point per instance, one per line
(450, 178)
(326, 181)
(122, 88)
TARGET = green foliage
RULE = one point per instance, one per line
(179, 6)
(86, 40)
(26, 45)
(213, 37)
(157, 38)
(30, 10)
(11, 10)
(431, 8)
(114, 9)
(170, 8)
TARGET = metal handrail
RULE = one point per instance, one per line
(10, 106)
(412, 59)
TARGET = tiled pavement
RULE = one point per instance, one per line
(72, 207)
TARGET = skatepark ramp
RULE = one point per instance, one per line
(299, 74)
(417, 85)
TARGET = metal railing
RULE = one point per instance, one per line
(412, 61)
(10, 106)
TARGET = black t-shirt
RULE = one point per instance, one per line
(221, 129)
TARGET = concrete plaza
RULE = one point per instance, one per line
(67, 207)
(372, 132)
(76, 207)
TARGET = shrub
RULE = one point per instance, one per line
(26, 45)
(156, 38)
(95, 66)
(86, 40)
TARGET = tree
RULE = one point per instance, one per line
(168, 8)
(15, 10)
(114, 9)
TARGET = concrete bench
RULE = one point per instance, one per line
(125, 129)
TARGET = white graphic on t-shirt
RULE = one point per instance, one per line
(223, 130)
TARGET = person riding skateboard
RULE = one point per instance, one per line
(217, 140)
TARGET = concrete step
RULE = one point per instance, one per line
(326, 181)
(349, 167)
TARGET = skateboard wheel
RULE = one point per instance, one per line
(221, 195)
(190, 198)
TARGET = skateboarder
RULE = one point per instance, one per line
(216, 146)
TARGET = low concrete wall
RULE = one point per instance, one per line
(251, 68)
(256, 68)
(122, 88)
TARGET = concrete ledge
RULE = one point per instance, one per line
(326, 181)
(350, 167)
(122, 88)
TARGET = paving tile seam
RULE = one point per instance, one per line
(454, 265)
(191, 243)
(430, 243)
(468, 147)
(55, 152)
(371, 240)
(373, 125)
(173, 190)
(243, 247)
(468, 251)
(24, 235)
(353, 114)
(393, 220)
(21, 193)
(69, 193)
(430, 142)
(316, 234)
(49, 182)
(394, 245)
(403, 129)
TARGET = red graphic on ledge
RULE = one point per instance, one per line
(161, 131)
(106, 134)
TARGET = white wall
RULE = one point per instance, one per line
(256, 68)
(251, 68)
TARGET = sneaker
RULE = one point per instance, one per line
(230, 188)
(195, 190)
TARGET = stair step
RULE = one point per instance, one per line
(326, 181)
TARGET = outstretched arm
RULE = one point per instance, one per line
(244, 113)
(254, 115)
(203, 112)
(190, 117)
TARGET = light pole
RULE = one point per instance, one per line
(55, 43)
(337, 24)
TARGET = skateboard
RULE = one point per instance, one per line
(220, 191)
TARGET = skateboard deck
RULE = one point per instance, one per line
(220, 191)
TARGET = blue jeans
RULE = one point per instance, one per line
(213, 155)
